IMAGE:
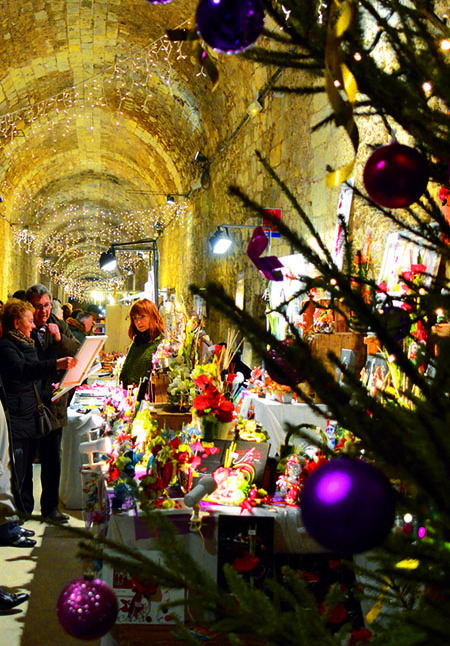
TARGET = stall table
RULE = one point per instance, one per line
(126, 527)
(273, 416)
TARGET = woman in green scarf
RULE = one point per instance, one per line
(146, 331)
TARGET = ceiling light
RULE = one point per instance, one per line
(108, 261)
(220, 241)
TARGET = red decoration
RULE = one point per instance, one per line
(395, 176)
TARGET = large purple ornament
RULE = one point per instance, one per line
(348, 506)
(395, 176)
(87, 608)
(229, 26)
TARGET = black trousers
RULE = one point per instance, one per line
(49, 450)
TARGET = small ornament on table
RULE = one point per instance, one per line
(288, 484)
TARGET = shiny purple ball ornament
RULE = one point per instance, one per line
(283, 372)
(395, 176)
(87, 608)
(229, 26)
(348, 506)
(159, 1)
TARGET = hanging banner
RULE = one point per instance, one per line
(342, 219)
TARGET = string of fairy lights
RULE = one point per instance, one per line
(48, 229)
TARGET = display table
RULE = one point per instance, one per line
(289, 536)
(273, 416)
(76, 430)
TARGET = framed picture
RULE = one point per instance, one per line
(86, 356)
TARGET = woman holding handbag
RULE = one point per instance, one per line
(21, 372)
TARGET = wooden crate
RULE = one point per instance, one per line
(174, 421)
(322, 344)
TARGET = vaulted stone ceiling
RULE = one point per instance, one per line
(100, 117)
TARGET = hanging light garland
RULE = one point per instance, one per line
(136, 70)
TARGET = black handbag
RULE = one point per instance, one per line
(44, 420)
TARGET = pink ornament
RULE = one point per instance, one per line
(87, 608)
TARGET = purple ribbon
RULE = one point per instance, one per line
(270, 265)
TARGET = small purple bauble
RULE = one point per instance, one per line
(396, 321)
(395, 176)
(229, 26)
(283, 373)
(348, 506)
(87, 608)
(159, 1)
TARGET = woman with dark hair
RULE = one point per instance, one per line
(146, 331)
(21, 372)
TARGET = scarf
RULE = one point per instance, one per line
(17, 335)
(141, 338)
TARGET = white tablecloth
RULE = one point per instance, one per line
(273, 416)
(125, 527)
(75, 432)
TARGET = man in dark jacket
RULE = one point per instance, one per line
(53, 340)
(81, 325)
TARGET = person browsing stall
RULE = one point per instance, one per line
(23, 374)
(146, 330)
(53, 339)
(81, 325)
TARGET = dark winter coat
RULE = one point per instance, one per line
(19, 368)
(78, 330)
(49, 349)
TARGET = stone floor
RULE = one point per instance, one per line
(42, 571)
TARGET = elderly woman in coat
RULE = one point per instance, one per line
(22, 373)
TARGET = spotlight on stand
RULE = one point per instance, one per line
(108, 261)
(220, 241)
(200, 158)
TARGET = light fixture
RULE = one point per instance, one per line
(254, 108)
(200, 158)
(170, 199)
(220, 241)
(108, 260)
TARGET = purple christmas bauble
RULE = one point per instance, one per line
(159, 1)
(395, 176)
(87, 608)
(229, 26)
(283, 372)
(396, 321)
(348, 506)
